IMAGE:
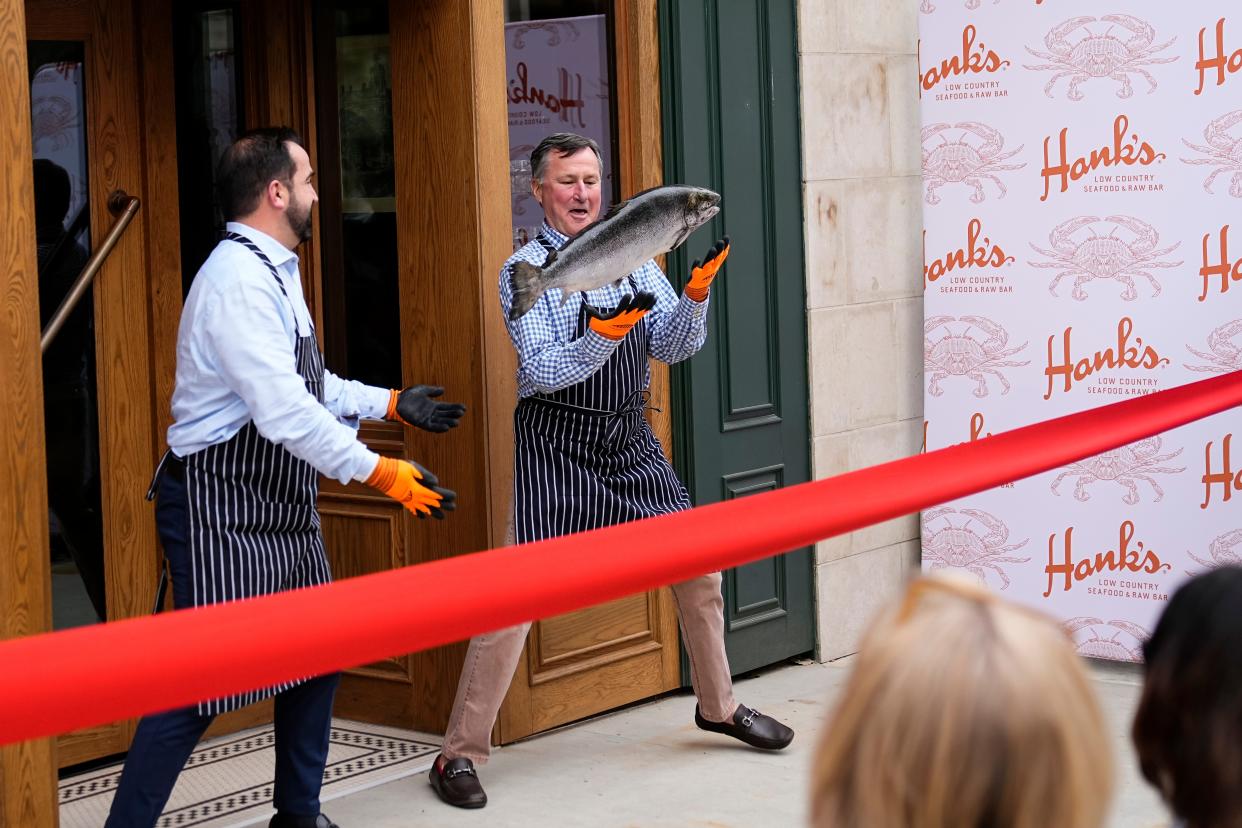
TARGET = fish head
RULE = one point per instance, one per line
(701, 205)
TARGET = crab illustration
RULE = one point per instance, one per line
(964, 547)
(1081, 55)
(552, 29)
(1104, 257)
(52, 118)
(1223, 351)
(964, 355)
(1224, 149)
(1223, 551)
(1124, 466)
(963, 162)
(1116, 647)
(927, 8)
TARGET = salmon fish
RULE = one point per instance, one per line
(647, 225)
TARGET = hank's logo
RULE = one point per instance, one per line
(1064, 570)
(1082, 54)
(1125, 354)
(1221, 475)
(1228, 271)
(1223, 151)
(973, 58)
(976, 432)
(1224, 351)
(1121, 152)
(1220, 65)
(979, 252)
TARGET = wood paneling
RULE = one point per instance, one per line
(28, 769)
(126, 429)
(587, 662)
(451, 183)
(641, 162)
(160, 199)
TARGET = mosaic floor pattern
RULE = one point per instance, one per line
(227, 783)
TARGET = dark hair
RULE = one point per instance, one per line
(52, 192)
(1188, 728)
(251, 163)
(565, 143)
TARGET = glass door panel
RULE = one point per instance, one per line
(70, 398)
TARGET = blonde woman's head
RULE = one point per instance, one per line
(963, 711)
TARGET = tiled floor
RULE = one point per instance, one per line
(228, 780)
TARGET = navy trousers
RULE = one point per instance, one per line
(163, 742)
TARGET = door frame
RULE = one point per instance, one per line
(135, 303)
(544, 694)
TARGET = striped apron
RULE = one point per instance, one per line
(253, 528)
(585, 456)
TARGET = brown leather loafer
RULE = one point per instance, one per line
(457, 784)
(751, 727)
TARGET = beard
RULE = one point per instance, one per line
(299, 218)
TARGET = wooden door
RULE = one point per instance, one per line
(601, 658)
(98, 375)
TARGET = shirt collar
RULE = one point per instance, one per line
(555, 236)
(274, 250)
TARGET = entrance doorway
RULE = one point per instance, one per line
(97, 372)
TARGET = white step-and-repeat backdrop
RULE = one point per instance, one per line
(1082, 188)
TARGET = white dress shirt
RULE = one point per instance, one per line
(235, 363)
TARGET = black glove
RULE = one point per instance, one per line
(449, 501)
(415, 406)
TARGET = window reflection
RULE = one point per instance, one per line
(70, 411)
(208, 120)
(560, 79)
(358, 218)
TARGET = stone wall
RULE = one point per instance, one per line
(862, 191)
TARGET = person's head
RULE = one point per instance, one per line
(52, 195)
(963, 711)
(566, 172)
(1188, 727)
(264, 180)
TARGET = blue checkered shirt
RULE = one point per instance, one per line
(551, 358)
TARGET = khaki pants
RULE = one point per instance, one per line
(492, 659)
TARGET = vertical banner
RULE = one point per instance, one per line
(1082, 189)
(558, 82)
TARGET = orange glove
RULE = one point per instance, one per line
(617, 323)
(399, 479)
(701, 276)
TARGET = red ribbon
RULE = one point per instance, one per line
(61, 681)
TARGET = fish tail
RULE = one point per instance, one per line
(526, 283)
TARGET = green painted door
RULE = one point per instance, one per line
(730, 113)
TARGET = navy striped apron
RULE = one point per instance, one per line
(253, 528)
(585, 456)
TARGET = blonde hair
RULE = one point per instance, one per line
(963, 711)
